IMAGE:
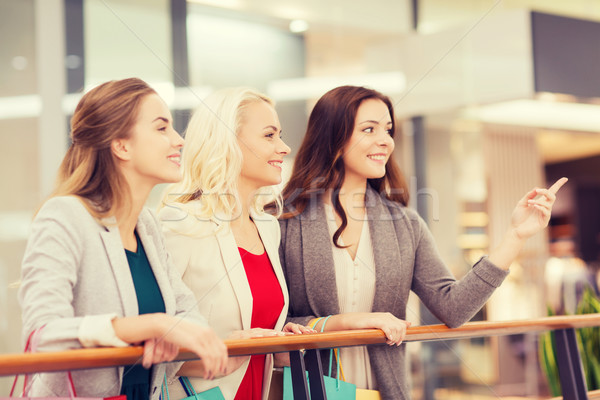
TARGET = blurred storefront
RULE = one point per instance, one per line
(492, 98)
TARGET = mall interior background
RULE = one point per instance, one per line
(492, 98)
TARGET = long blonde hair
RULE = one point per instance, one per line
(89, 169)
(212, 158)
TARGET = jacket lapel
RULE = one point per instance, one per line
(317, 256)
(272, 250)
(118, 261)
(162, 279)
(234, 268)
(386, 250)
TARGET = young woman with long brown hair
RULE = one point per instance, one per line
(95, 270)
(352, 250)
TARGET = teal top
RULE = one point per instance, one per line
(136, 379)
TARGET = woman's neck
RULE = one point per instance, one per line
(351, 194)
(138, 195)
(243, 228)
(246, 193)
(128, 221)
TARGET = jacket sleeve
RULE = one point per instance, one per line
(453, 301)
(48, 278)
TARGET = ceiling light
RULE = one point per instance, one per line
(542, 114)
(314, 87)
(232, 4)
(20, 106)
(298, 26)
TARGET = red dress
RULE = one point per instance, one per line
(267, 303)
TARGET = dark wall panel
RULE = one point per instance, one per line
(75, 45)
(585, 215)
(566, 54)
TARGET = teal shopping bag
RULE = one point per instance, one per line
(334, 387)
(210, 394)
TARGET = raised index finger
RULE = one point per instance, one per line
(557, 185)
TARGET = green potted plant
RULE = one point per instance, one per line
(588, 341)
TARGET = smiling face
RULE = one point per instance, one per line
(262, 149)
(152, 153)
(371, 143)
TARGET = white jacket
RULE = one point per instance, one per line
(210, 264)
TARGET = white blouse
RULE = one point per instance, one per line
(356, 290)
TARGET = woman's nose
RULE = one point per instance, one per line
(283, 148)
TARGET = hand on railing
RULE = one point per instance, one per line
(164, 333)
(11, 364)
(297, 329)
(236, 362)
(393, 328)
(157, 351)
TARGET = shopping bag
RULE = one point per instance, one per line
(30, 347)
(210, 394)
(335, 388)
(72, 393)
(361, 394)
(367, 394)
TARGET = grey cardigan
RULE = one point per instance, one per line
(405, 259)
(75, 267)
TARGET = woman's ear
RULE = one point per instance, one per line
(120, 148)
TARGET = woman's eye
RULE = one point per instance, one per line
(270, 135)
(164, 128)
(368, 130)
(390, 131)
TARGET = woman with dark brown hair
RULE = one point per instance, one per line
(352, 251)
(95, 270)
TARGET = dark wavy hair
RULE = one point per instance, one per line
(319, 164)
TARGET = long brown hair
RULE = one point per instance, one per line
(319, 164)
(89, 169)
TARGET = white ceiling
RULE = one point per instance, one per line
(395, 16)
(436, 15)
(376, 16)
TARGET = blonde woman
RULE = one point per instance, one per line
(95, 270)
(223, 244)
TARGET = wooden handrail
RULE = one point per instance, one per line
(12, 364)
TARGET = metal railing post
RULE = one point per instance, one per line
(298, 370)
(315, 375)
(570, 370)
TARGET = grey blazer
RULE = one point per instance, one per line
(405, 259)
(75, 267)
